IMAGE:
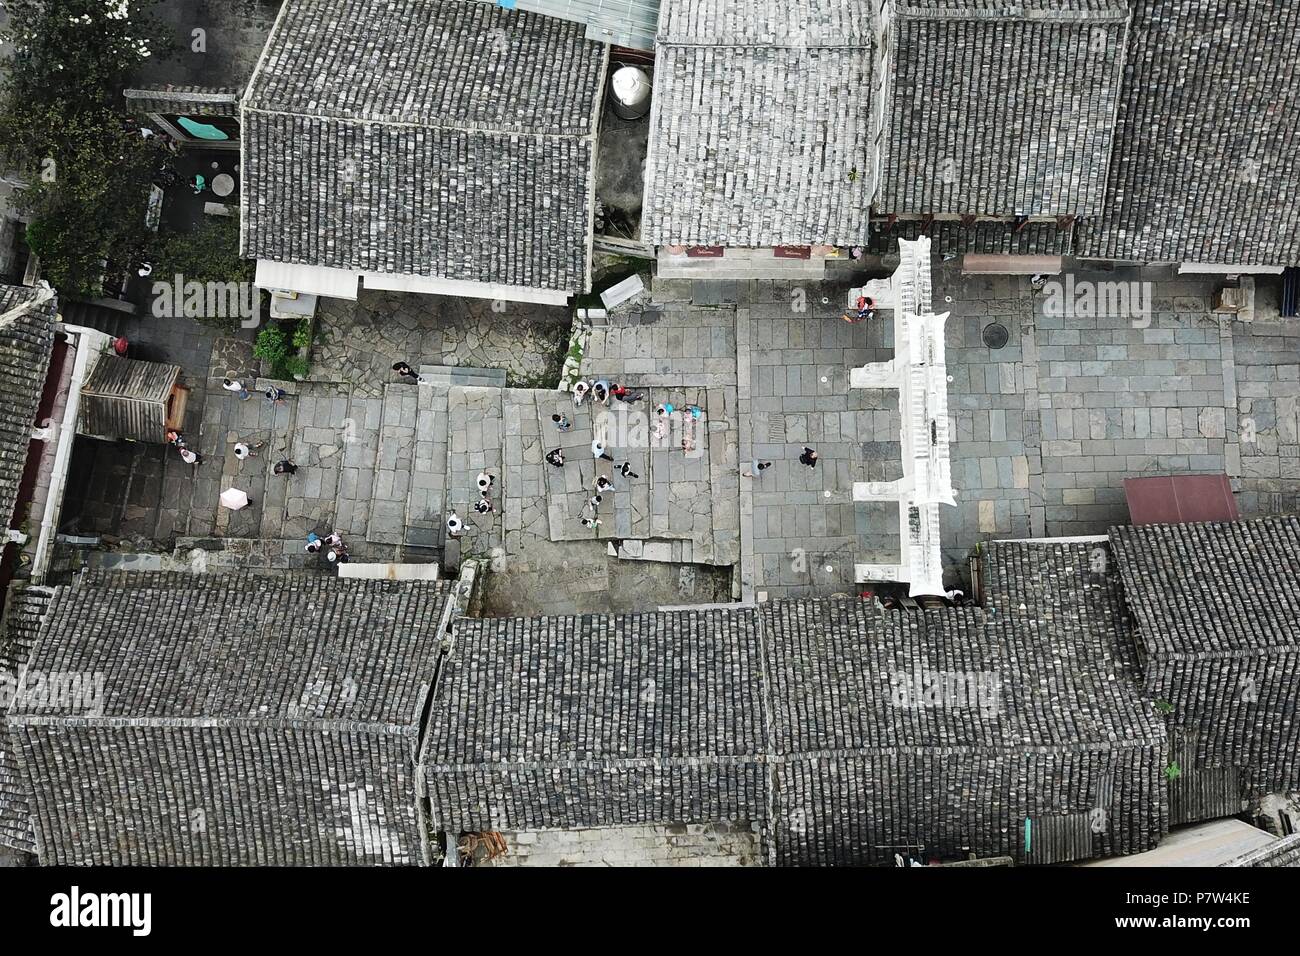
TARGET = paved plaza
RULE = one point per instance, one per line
(1046, 422)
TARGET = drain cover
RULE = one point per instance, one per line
(996, 335)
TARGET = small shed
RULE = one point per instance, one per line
(130, 399)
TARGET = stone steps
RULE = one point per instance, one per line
(448, 375)
(426, 525)
(474, 444)
(394, 458)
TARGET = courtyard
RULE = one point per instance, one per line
(1046, 423)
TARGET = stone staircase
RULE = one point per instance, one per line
(474, 444)
(394, 459)
(448, 375)
(426, 502)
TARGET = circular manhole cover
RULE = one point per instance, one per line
(995, 335)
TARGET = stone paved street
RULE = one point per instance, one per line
(1044, 428)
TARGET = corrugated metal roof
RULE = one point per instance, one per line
(621, 22)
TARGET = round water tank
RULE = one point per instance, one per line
(629, 89)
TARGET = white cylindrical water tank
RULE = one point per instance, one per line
(629, 89)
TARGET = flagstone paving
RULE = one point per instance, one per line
(1044, 430)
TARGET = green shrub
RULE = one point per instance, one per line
(277, 346)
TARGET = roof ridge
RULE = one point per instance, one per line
(17, 716)
(324, 116)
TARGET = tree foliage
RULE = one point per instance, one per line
(208, 253)
(63, 128)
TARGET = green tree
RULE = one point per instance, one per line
(207, 253)
(63, 128)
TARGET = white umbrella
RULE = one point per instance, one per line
(234, 499)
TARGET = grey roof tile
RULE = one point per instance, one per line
(1283, 852)
(26, 340)
(1217, 611)
(761, 124)
(786, 715)
(431, 138)
(597, 721)
(1001, 109)
(228, 720)
(18, 632)
(1206, 164)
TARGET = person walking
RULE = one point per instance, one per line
(590, 522)
(555, 457)
(484, 505)
(756, 468)
(600, 392)
(242, 450)
(234, 385)
(314, 543)
(275, 396)
(594, 503)
(626, 471)
(285, 467)
(580, 390)
(175, 438)
(189, 457)
(455, 527)
(334, 540)
(561, 422)
(485, 482)
(809, 457)
(405, 371)
(598, 450)
(603, 484)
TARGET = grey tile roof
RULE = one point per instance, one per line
(1284, 852)
(433, 138)
(597, 721)
(761, 124)
(860, 777)
(22, 619)
(26, 339)
(184, 100)
(983, 237)
(242, 720)
(1217, 608)
(786, 715)
(994, 108)
(1207, 148)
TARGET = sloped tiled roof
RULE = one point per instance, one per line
(22, 620)
(597, 721)
(860, 776)
(761, 124)
(229, 719)
(432, 137)
(1213, 589)
(1207, 147)
(26, 341)
(999, 108)
(787, 715)
(1283, 852)
(1217, 611)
